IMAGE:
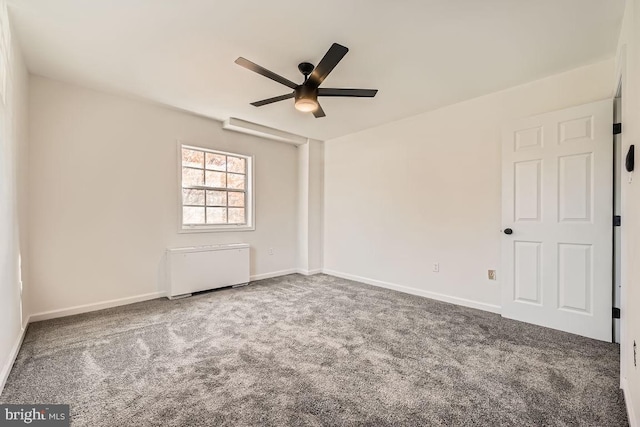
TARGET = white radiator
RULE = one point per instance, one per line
(206, 267)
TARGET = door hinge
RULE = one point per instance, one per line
(616, 313)
(617, 128)
(617, 220)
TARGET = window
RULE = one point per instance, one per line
(215, 190)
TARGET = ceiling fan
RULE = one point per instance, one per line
(306, 94)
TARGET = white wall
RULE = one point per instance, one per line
(104, 194)
(303, 208)
(426, 189)
(13, 149)
(310, 199)
(316, 197)
(628, 67)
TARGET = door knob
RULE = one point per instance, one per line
(508, 231)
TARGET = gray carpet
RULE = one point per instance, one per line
(314, 351)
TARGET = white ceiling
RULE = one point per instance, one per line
(420, 54)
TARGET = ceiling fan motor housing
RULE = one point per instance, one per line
(306, 99)
(306, 92)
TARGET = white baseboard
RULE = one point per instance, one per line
(631, 413)
(309, 272)
(419, 292)
(129, 300)
(78, 309)
(272, 274)
(4, 373)
(6, 369)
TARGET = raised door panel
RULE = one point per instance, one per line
(575, 129)
(527, 139)
(527, 272)
(575, 277)
(575, 192)
(528, 191)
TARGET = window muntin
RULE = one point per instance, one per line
(215, 188)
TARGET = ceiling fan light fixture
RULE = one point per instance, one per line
(306, 98)
(306, 105)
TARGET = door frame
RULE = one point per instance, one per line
(621, 85)
(616, 273)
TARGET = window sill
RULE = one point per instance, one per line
(216, 229)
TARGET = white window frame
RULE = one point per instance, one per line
(249, 200)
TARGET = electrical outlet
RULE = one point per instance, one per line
(436, 267)
(492, 274)
(270, 251)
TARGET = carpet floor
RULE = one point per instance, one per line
(314, 351)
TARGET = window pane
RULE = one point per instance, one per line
(192, 158)
(216, 179)
(236, 199)
(235, 181)
(193, 197)
(191, 177)
(192, 215)
(216, 198)
(214, 188)
(236, 216)
(216, 215)
(216, 162)
(235, 164)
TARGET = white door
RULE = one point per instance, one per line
(557, 200)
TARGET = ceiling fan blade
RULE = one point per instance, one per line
(335, 53)
(272, 100)
(360, 93)
(319, 112)
(263, 71)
